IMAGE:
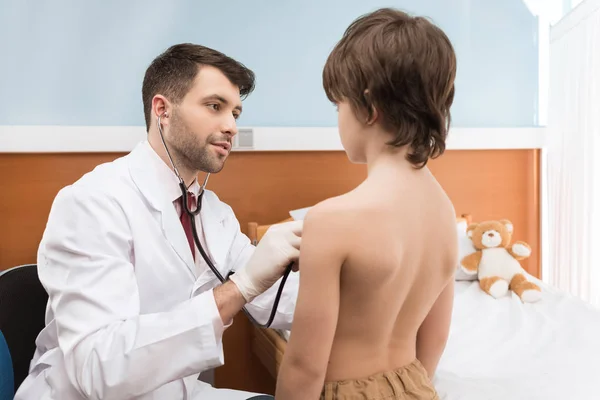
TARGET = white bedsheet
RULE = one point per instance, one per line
(506, 350)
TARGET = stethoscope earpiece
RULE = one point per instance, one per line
(181, 182)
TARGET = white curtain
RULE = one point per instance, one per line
(573, 154)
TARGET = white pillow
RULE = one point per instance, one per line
(299, 214)
(465, 247)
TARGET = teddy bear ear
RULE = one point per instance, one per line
(508, 225)
(470, 230)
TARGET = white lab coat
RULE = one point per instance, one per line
(128, 317)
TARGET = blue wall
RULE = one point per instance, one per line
(73, 62)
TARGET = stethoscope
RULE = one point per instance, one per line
(193, 213)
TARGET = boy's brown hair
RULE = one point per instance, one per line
(402, 66)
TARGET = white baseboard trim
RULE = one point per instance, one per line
(82, 139)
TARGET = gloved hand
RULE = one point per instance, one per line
(279, 246)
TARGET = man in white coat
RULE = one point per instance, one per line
(134, 311)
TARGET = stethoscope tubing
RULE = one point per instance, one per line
(193, 213)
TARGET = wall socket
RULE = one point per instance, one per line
(244, 140)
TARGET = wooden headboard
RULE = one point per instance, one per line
(256, 231)
(265, 186)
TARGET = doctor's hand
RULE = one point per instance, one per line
(279, 246)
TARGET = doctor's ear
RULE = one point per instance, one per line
(160, 107)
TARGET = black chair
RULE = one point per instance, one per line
(23, 302)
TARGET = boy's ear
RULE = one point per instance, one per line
(372, 113)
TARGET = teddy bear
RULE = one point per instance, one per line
(496, 262)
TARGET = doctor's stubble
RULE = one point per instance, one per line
(190, 151)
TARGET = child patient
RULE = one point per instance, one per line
(377, 263)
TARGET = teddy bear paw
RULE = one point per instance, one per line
(531, 296)
(499, 288)
(521, 250)
(468, 271)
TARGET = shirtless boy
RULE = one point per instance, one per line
(377, 263)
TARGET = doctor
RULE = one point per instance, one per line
(134, 312)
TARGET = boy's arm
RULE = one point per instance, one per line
(433, 332)
(304, 365)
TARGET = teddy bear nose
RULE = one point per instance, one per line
(490, 234)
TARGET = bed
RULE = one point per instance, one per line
(499, 349)
(504, 349)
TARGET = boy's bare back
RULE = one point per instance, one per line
(377, 263)
(400, 239)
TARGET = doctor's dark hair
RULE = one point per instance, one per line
(172, 74)
(402, 66)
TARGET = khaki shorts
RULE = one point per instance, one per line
(407, 383)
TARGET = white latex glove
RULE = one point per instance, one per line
(279, 246)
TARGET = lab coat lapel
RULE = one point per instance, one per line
(158, 196)
(215, 234)
(175, 234)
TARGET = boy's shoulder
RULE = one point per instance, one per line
(335, 218)
(329, 227)
(344, 206)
